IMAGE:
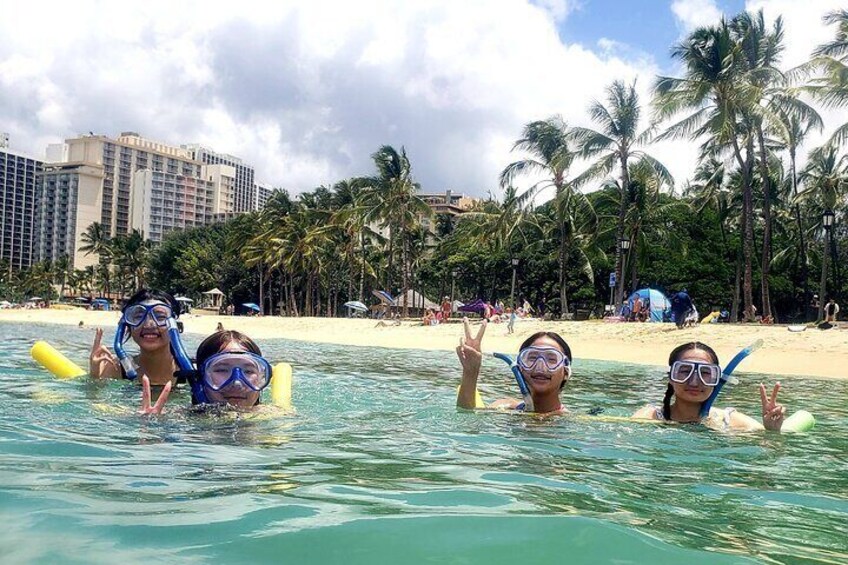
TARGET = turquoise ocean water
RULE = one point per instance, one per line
(378, 466)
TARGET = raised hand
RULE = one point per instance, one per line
(157, 408)
(102, 362)
(470, 350)
(773, 413)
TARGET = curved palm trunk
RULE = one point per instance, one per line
(734, 308)
(362, 267)
(405, 275)
(766, 255)
(563, 296)
(805, 274)
(622, 215)
(823, 283)
(747, 227)
(634, 281)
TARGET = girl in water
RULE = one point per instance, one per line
(694, 372)
(231, 373)
(145, 319)
(544, 360)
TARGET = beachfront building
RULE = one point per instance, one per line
(263, 194)
(120, 159)
(245, 193)
(164, 202)
(18, 177)
(69, 199)
(446, 203)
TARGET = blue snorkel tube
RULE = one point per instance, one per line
(519, 378)
(177, 348)
(725, 375)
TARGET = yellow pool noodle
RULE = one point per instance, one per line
(281, 385)
(55, 362)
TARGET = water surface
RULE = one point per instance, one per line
(378, 466)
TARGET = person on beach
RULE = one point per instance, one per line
(831, 309)
(693, 373)
(231, 373)
(446, 308)
(510, 326)
(681, 307)
(144, 319)
(544, 360)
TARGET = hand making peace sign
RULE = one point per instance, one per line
(773, 413)
(101, 362)
(157, 408)
(470, 350)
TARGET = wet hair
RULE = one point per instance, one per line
(219, 340)
(675, 355)
(153, 294)
(554, 336)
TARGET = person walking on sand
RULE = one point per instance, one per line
(512, 316)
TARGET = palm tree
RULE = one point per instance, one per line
(391, 200)
(616, 146)
(95, 241)
(716, 97)
(831, 59)
(550, 144)
(825, 179)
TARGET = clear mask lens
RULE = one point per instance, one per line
(708, 374)
(136, 314)
(224, 369)
(547, 358)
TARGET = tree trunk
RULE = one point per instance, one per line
(634, 255)
(563, 298)
(747, 226)
(766, 255)
(823, 284)
(405, 275)
(802, 251)
(619, 232)
(261, 288)
(362, 267)
(734, 308)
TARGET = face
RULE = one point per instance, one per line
(149, 336)
(693, 390)
(236, 393)
(539, 379)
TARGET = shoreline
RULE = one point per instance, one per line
(812, 353)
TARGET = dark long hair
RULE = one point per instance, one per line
(554, 336)
(675, 355)
(153, 294)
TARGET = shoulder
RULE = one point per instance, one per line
(648, 412)
(506, 404)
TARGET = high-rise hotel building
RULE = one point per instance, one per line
(141, 184)
(245, 195)
(18, 174)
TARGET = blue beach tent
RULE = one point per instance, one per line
(655, 301)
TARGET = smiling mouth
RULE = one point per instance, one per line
(540, 377)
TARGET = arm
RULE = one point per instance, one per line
(102, 363)
(471, 357)
(773, 414)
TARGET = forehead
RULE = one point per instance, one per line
(152, 302)
(545, 341)
(696, 355)
(232, 347)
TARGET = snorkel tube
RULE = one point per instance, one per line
(725, 375)
(519, 378)
(125, 360)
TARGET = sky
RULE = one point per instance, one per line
(307, 91)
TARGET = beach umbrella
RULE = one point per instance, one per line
(183, 299)
(477, 306)
(356, 305)
(252, 306)
(34, 298)
(384, 297)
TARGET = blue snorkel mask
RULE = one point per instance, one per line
(528, 359)
(163, 316)
(230, 369)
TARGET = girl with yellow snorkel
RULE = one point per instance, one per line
(694, 381)
(542, 368)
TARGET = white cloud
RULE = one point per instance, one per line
(695, 13)
(307, 90)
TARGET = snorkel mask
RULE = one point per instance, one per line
(547, 358)
(228, 369)
(163, 316)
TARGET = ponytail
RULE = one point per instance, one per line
(666, 411)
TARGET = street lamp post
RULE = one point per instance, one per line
(624, 246)
(827, 223)
(512, 289)
(453, 288)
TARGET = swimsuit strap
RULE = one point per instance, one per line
(658, 413)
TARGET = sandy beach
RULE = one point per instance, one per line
(812, 353)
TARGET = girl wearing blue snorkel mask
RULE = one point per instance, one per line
(146, 318)
(543, 364)
(694, 373)
(231, 373)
